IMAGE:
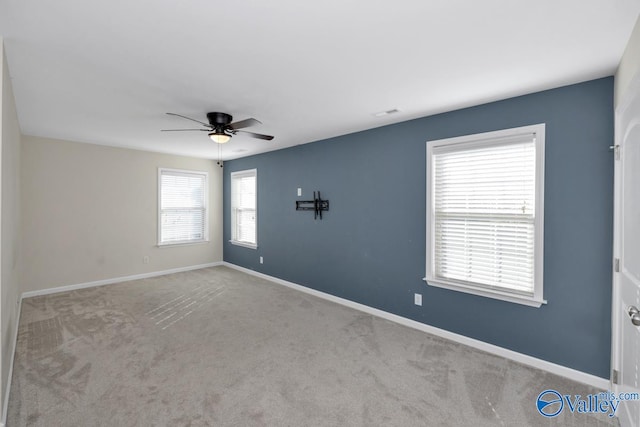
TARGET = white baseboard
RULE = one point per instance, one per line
(563, 371)
(116, 280)
(5, 404)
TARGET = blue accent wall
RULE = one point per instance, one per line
(370, 246)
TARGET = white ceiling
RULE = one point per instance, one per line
(105, 72)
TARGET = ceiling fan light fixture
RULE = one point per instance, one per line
(219, 137)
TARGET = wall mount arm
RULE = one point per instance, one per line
(317, 205)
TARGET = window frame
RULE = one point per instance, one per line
(471, 142)
(232, 223)
(205, 237)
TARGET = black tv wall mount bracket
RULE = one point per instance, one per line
(317, 205)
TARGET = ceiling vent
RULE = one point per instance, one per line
(386, 113)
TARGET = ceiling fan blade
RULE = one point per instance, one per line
(257, 135)
(244, 124)
(183, 130)
(189, 118)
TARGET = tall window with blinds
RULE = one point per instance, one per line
(183, 207)
(485, 214)
(244, 208)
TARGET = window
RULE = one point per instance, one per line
(485, 196)
(243, 208)
(183, 207)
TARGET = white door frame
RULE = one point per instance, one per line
(615, 327)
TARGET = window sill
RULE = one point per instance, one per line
(170, 245)
(244, 244)
(503, 296)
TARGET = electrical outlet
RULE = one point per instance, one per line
(417, 299)
(145, 260)
(261, 260)
(299, 192)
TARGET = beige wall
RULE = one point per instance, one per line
(90, 213)
(629, 64)
(10, 222)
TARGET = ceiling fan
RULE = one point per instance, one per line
(220, 127)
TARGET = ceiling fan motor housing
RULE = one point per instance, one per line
(217, 119)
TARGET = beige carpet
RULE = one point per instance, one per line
(217, 347)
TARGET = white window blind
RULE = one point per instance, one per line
(484, 216)
(243, 208)
(183, 206)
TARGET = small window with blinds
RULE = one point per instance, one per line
(485, 197)
(243, 208)
(183, 207)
